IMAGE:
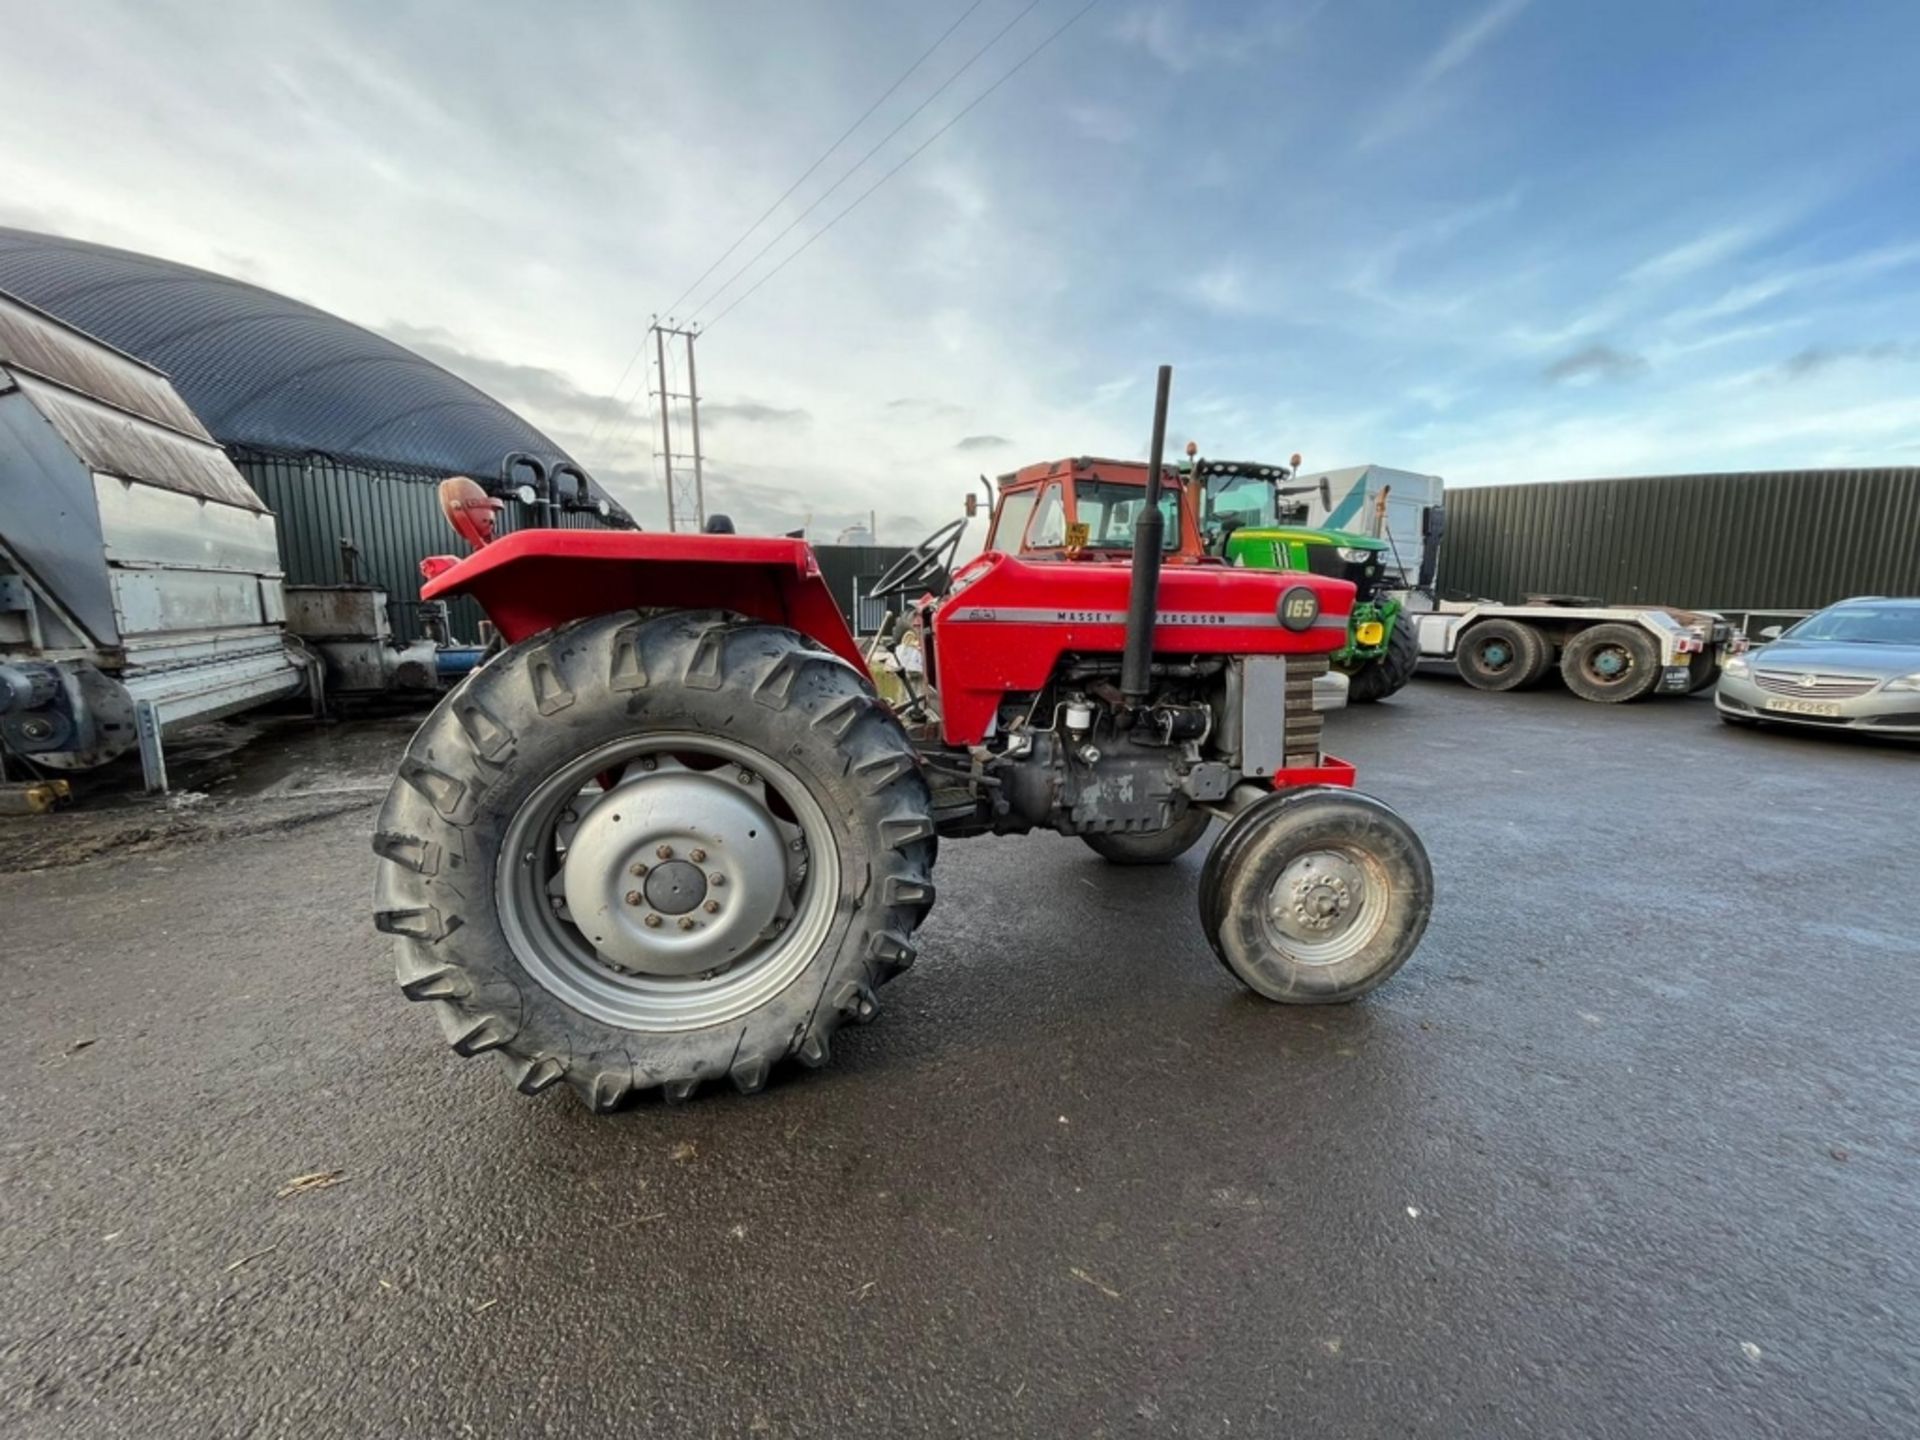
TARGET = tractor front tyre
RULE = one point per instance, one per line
(640, 853)
(1611, 664)
(1316, 896)
(1155, 847)
(1502, 655)
(1387, 673)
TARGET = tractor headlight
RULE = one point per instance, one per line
(1736, 665)
(1353, 554)
(1906, 683)
(1299, 607)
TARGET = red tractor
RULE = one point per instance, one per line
(673, 835)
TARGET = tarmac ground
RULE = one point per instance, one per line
(1631, 1146)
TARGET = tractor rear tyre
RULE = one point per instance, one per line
(1156, 847)
(642, 853)
(1384, 674)
(1316, 896)
(1502, 655)
(1611, 664)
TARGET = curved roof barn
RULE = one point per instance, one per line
(267, 373)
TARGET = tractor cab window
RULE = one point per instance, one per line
(1239, 500)
(1049, 528)
(1011, 523)
(1108, 511)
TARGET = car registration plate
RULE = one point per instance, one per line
(1827, 708)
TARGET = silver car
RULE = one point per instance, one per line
(1852, 666)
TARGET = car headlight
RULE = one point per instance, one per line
(1352, 554)
(1736, 665)
(1910, 683)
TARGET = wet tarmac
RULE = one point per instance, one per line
(1629, 1148)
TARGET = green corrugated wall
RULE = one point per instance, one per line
(393, 516)
(1764, 540)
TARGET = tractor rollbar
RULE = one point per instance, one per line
(1149, 531)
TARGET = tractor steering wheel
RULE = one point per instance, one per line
(922, 562)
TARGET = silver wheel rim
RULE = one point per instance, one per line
(1327, 905)
(680, 895)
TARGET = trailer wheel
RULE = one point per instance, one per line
(1156, 847)
(1316, 896)
(1502, 655)
(1611, 663)
(637, 853)
(1385, 674)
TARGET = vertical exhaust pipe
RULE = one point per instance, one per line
(1149, 531)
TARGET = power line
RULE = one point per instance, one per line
(796, 254)
(881, 144)
(845, 135)
(612, 398)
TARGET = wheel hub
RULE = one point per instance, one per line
(675, 887)
(675, 871)
(1317, 896)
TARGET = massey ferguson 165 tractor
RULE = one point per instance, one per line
(1242, 511)
(673, 835)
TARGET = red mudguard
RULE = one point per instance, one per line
(533, 580)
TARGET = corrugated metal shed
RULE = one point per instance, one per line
(1762, 540)
(342, 432)
(266, 372)
(392, 517)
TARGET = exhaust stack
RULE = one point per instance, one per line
(1149, 531)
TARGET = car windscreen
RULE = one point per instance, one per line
(1108, 511)
(1867, 624)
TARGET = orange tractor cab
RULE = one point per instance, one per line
(1086, 508)
(673, 834)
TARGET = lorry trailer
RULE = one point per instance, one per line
(1605, 653)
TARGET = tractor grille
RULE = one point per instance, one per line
(1303, 721)
(1813, 687)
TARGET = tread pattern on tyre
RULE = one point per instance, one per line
(1532, 654)
(1646, 658)
(1249, 830)
(479, 750)
(1385, 674)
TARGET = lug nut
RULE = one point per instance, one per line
(633, 897)
(712, 907)
(716, 879)
(637, 869)
(647, 762)
(665, 852)
(652, 922)
(686, 922)
(698, 857)
(746, 777)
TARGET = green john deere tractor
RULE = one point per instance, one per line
(1252, 516)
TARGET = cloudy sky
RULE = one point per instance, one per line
(1495, 239)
